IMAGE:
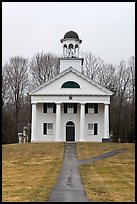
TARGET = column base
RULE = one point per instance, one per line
(106, 140)
(82, 140)
(58, 140)
(33, 141)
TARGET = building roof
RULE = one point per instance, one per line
(68, 70)
(71, 34)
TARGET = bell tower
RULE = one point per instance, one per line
(71, 43)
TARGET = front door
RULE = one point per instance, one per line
(70, 131)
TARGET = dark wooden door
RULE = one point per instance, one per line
(70, 131)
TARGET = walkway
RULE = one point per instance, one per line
(68, 187)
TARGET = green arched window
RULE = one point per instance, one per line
(70, 84)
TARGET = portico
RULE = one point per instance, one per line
(80, 120)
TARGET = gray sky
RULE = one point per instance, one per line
(107, 29)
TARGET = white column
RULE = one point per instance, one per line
(58, 122)
(74, 52)
(82, 122)
(63, 51)
(78, 52)
(33, 123)
(106, 120)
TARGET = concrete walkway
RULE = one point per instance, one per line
(68, 187)
(102, 156)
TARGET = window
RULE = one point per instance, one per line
(91, 108)
(48, 128)
(93, 129)
(70, 84)
(70, 107)
(49, 108)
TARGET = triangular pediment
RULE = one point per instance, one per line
(87, 86)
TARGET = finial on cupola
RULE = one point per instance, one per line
(71, 44)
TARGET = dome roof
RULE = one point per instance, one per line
(71, 34)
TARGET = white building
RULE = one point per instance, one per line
(70, 106)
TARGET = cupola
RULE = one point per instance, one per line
(71, 44)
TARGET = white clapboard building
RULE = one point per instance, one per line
(70, 106)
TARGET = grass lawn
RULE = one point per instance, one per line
(111, 179)
(29, 171)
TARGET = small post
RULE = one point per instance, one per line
(25, 134)
(20, 136)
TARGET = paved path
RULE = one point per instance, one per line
(68, 187)
(102, 156)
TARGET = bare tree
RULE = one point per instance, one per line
(107, 76)
(16, 79)
(43, 67)
(131, 97)
(99, 71)
(5, 86)
(92, 65)
(121, 80)
(120, 106)
(131, 87)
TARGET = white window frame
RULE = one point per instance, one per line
(91, 129)
(49, 107)
(91, 107)
(49, 128)
(70, 108)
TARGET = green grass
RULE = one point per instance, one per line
(111, 179)
(29, 171)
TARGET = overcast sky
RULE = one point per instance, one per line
(107, 29)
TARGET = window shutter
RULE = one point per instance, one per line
(75, 107)
(54, 108)
(44, 108)
(95, 128)
(65, 107)
(86, 108)
(45, 128)
(96, 108)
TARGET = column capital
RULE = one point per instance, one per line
(34, 103)
(82, 103)
(106, 103)
(58, 103)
